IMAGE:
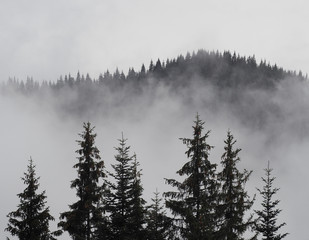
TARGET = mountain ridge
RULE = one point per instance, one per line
(220, 69)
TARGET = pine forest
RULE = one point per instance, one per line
(206, 195)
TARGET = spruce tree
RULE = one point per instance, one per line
(267, 222)
(119, 198)
(86, 216)
(126, 205)
(193, 203)
(234, 201)
(159, 225)
(137, 216)
(32, 217)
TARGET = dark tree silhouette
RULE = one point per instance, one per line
(32, 217)
(159, 225)
(193, 204)
(86, 216)
(234, 201)
(138, 213)
(267, 223)
(126, 205)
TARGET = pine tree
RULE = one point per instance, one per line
(137, 216)
(119, 203)
(151, 67)
(86, 216)
(194, 201)
(143, 71)
(159, 226)
(267, 223)
(31, 219)
(233, 199)
(125, 201)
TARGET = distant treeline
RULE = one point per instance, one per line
(220, 69)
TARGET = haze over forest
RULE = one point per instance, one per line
(264, 106)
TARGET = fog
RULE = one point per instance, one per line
(268, 126)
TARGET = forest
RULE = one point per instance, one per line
(207, 200)
(224, 70)
(204, 204)
(235, 80)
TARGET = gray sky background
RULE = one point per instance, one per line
(46, 39)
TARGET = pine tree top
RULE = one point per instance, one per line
(32, 217)
(267, 222)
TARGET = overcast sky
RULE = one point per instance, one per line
(46, 39)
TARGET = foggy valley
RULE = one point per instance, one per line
(264, 106)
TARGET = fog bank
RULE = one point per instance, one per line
(268, 126)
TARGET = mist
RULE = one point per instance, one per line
(268, 126)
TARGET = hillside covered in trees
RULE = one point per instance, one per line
(234, 80)
(224, 70)
(207, 196)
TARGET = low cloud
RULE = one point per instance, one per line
(268, 125)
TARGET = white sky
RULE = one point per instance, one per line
(46, 39)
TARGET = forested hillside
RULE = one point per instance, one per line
(233, 80)
(207, 191)
(224, 70)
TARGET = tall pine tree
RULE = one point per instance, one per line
(126, 205)
(234, 201)
(86, 217)
(32, 217)
(267, 223)
(193, 204)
